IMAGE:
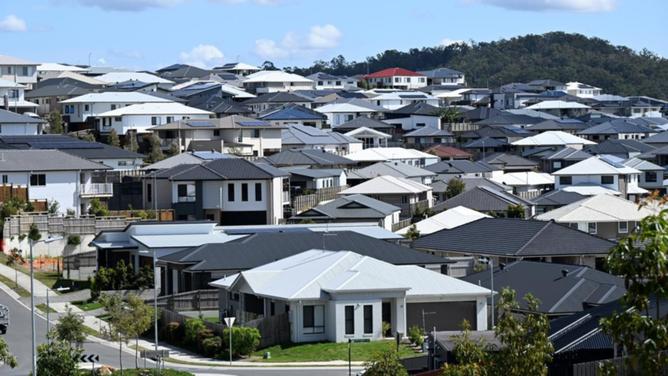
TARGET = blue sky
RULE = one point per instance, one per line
(148, 34)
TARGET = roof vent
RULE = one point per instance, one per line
(564, 272)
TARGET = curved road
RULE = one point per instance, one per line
(18, 337)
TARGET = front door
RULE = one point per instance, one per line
(387, 317)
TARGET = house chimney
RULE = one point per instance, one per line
(564, 272)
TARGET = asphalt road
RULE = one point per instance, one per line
(18, 337)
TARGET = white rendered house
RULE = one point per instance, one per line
(141, 117)
(79, 109)
(18, 70)
(274, 81)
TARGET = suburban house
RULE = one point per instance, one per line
(241, 69)
(556, 139)
(446, 152)
(571, 126)
(230, 191)
(292, 114)
(53, 175)
(306, 137)
(407, 194)
(313, 158)
(366, 122)
(651, 175)
(343, 111)
(18, 70)
(304, 180)
(489, 200)
(462, 168)
(370, 137)
(139, 118)
(275, 80)
(269, 101)
(116, 77)
(233, 134)
(326, 81)
(451, 218)
(553, 160)
(12, 123)
(47, 94)
(427, 136)
(394, 154)
(596, 171)
(353, 208)
(395, 100)
(396, 78)
(607, 216)
(509, 162)
(561, 289)
(444, 76)
(555, 199)
(581, 90)
(526, 184)
(391, 168)
(79, 109)
(509, 239)
(618, 129)
(12, 96)
(561, 108)
(338, 296)
(186, 158)
(415, 116)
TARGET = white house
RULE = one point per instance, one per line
(13, 124)
(79, 109)
(53, 175)
(561, 108)
(340, 112)
(141, 117)
(597, 171)
(352, 209)
(553, 139)
(48, 70)
(12, 96)
(398, 99)
(18, 70)
(407, 194)
(370, 138)
(326, 81)
(337, 296)
(241, 69)
(276, 80)
(397, 78)
(409, 156)
(582, 90)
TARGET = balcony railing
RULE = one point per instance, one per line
(97, 190)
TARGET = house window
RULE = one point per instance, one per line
(244, 191)
(397, 79)
(650, 177)
(4, 179)
(230, 192)
(556, 164)
(592, 228)
(420, 125)
(350, 319)
(623, 227)
(368, 319)
(258, 191)
(185, 192)
(149, 192)
(113, 107)
(607, 179)
(314, 319)
(170, 119)
(24, 71)
(256, 133)
(565, 180)
(86, 107)
(37, 179)
(154, 120)
(404, 199)
(319, 83)
(117, 118)
(216, 133)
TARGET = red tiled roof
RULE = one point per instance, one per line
(390, 72)
(444, 151)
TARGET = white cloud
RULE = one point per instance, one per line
(13, 23)
(543, 5)
(320, 37)
(102, 61)
(447, 41)
(129, 5)
(203, 56)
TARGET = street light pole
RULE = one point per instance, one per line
(491, 285)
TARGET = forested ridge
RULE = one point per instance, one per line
(555, 55)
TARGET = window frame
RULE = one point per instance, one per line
(368, 321)
(258, 191)
(230, 192)
(40, 180)
(317, 311)
(244, 192)
(349, 310)
(619, 227)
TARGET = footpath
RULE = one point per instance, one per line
(60, 303)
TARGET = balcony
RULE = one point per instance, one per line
(97, 190)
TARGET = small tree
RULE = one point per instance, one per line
(120, 322)
(6, 356)
(413, 233)
(142, 318)
(131, 141)
(53, 206)
(245, 340)
(70, 329)
(385, 363)
(13, 261)
(97, 209)
(472, 357)
(155, 150)
(515, 211)
(173, 148)
(449, 114)
(55, 123)
(112, 138)
(34, 234)
(57, 358)
(455, 187)
(88, 136)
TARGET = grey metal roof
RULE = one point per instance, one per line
(428, 132)
(44, 160)
(262, 248)
(310, 157)
(567, 154)
(67, 144)
(485, 199)
(558, 125)
(485, 142)
(292, 112)
(659, 138)
(458, 166)
(558, 294)
(358, 207)
(363, 121)
(619, 147)
(616, 126)
(229, 169)
(515, 238)
(509, 160)
(442, 72)
(417, 108)
(9, 117)
(59, 87)
(557, 198)
(279, 97)
(392, 168)
(227, 122)
(305, 135)
(313, 173)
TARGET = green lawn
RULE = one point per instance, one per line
(10, 283)
(325, 351)
(47, 278)
(87, 305)
(42, 307)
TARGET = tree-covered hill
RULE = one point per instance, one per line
(557, 55)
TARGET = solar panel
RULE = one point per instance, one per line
(252, 123)
(201, 123)
(412, 96)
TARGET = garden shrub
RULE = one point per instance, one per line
(244, 340)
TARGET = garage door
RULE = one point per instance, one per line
(442, 315)
(244, 218)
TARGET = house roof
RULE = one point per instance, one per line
(116, 77)
(445, 152)
(259, 248)
(514, 238)
(325, 76)
(71, 145)
(9, 117)
(311, 157)
(226, 169)
(116, 97)
(392, 168)
(275, 76)
(387, 185)
(44, 67)
(279, 97)
(363, 121)
(659, 138)
(599, 208)
(451, 218)
(11, 60)
(313, 173)
(186, 158)
(557, 198)
(428, 132)
(292, 112)
(619, 147)
(459, 167)
(350, 106)
(44, 160)
(59, 87)
(297, 134)
(557, 104)
(313, 273)
(595, 166)
(558, 125)
(509, 161)
(519, 179)
(485, 199)
(567, 154)
(557, 293)
(237, 66)
(387, 154)
(442, 72)
(364, 131)
(642, 165)
(616, 126)
(417, 108)
(391, 72)
(350, 207)
(227, 122)
(485, 142)
(552, 138)
(164, 108)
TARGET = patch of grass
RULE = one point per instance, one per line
(47, 278)
(10, 283)
(152, 372)
(91, 332)
(327, 351)
(87, 305)
(42, 307)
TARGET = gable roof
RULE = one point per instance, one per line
(557, 198)
(417, 108)
(442, 72)
(275, 76)
(599, 208)
(509, 160)
(451, 218)
(392, 168)
(363, 121)
(186, 158)
(278, 97)
(387, 154)
(164, 108)
(557, 104)
(514, 238)
(364, 131)
(350, 105)
(292, 112)
(462, 166)
(9, 117)
(297, 134)
(485, 142)
(558, 125)
(313, 157)
(428, 132)
(116, 77)
(595, 166)
(45, 160)
(659, 138)
(116, 97)
(567, 154)
(619, 147)
(524, 178)
(387, 185)
(552, 138)
(350, 207)
(225, 169)
(445, 151)
(390, 72)
(616, 126)
(558, 293)
(485, 199)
